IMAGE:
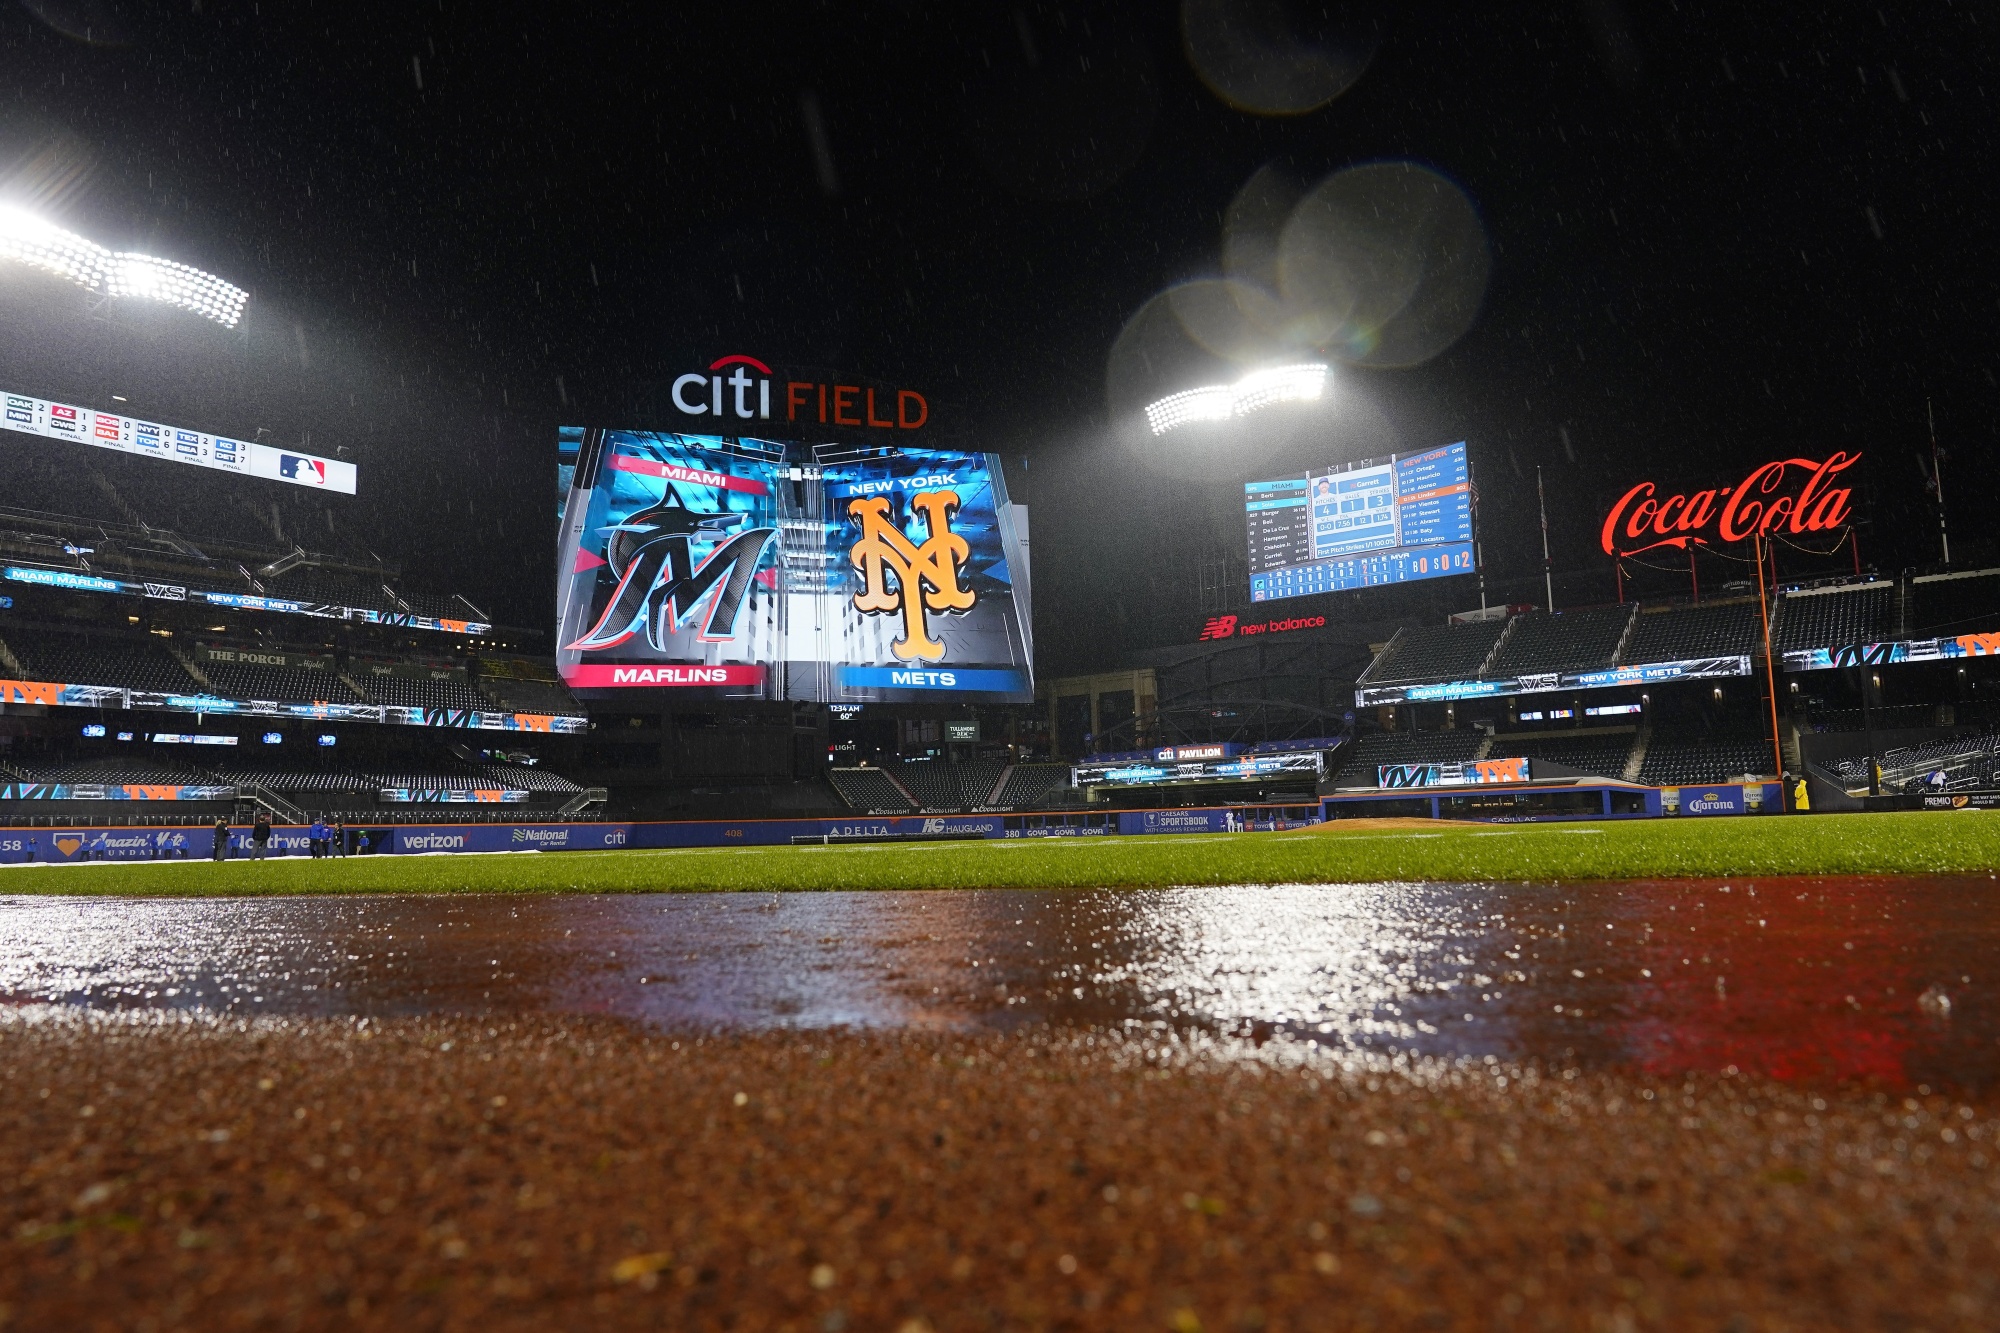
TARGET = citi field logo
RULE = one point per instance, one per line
(728, 391)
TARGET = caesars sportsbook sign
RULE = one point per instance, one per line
(733, 566)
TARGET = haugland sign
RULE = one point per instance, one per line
(1794, 496)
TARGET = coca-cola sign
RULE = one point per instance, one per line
(1794, 496)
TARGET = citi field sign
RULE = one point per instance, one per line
(742, 388)
(1793, 496)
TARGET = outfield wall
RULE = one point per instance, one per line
(118, 843)
(112, 843)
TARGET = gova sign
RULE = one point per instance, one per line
(729, 390)
(1795, 496)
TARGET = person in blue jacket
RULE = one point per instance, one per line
(316, 837)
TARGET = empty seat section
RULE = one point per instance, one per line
(292, 684)
(1599, 756)
(1943, 607)
(1560, 641)
(1673, 761)
(1835, 618)
(1434, 653)
(933, 782)
(1727, 629)
(1029, 785)
(77, 659)
(449, 690)
(1360, 765)
(867, 789)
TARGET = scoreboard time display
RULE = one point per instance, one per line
(1359, 525)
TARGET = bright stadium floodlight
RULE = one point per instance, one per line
(29, 240)
(1220, 402)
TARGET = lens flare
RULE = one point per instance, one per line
(1260, 56)
(1383, 265)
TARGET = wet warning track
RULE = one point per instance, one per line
(1888, 980)
(1644, 1106)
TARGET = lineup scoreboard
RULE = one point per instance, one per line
(1389, 520)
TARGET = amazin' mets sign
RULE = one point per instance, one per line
(1793, 496)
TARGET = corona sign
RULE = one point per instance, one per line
(1793, 496)
(732, 567)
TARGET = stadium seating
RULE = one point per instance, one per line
(1030, 785)
(529, 696)
(131, 661)
(941, 785)
(1678, 634)
(450, 691)
(1405, 747)
(1835, 617)
(1560, 641)
(1953, 604)
(1963, 762)
(1434, 653)
(242, 680)
(293, 780)
(1601, 756)
(111, 770)
(1674, 761)
(538, 780)
(868, 789)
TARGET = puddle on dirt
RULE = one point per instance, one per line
(1880, 979)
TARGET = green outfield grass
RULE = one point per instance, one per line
(1875, 844)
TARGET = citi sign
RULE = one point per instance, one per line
(728, 390)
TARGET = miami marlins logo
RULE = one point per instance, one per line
(926, 577)
(659, 584)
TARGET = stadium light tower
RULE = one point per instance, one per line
(1254, 392)
(27, 239)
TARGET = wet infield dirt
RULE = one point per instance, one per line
(1751, 1105)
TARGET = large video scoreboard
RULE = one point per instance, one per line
(1392, 520)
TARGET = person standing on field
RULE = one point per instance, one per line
(221, 848)
(260, 837)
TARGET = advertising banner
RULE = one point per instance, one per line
(1473, 772)
(1651, 673)
(149, 439)
(62, 695)
(452, 795)
(82, 791)
(726, 567)
(1906, 650)
(72, 581)
(1121, 773)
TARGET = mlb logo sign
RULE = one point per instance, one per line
(311, 471)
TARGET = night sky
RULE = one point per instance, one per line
(1717, 234)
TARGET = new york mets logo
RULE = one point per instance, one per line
(926, 577)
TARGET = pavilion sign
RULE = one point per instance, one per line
(1794, 496)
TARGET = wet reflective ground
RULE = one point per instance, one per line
(1883, 980)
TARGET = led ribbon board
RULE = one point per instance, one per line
(149, 439)
(743, 568)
